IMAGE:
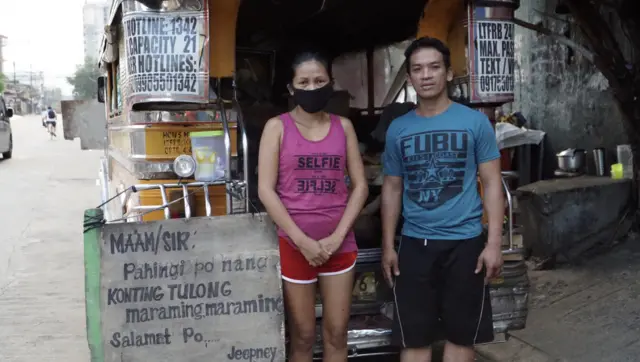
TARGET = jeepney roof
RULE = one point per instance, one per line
(340, 26)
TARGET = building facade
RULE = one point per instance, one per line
(2, 41)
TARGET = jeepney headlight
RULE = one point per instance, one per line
(184, 166)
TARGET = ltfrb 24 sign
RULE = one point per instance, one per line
(491, 60)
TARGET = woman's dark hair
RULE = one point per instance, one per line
(308, 56)
(425, 43)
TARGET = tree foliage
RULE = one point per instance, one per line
(85, 80)
(2, 83)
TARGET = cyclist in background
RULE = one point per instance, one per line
(49, 118)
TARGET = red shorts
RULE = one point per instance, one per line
(296, 269)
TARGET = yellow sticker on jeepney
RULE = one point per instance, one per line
(365, 287)
(168, 143)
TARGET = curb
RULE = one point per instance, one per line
(514, 350)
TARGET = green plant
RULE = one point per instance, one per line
(85, 80)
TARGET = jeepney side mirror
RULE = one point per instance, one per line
(9, 113)
(101, 84)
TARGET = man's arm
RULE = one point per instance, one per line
(391, 200)
(493, 199)
(488, 161)
(390, 210)
(391, 204)
(372, 207)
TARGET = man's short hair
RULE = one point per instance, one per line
(424, 43)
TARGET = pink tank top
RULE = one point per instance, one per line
(311, 182)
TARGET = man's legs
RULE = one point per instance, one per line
(51, 128)
(415, 323)
(466, 304)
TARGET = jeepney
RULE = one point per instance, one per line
(172, 67)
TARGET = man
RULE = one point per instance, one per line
(439, 273)
(49, 117)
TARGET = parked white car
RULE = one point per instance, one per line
(6, 138)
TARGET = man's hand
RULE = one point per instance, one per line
(491, 259)
(390, 266)
(331, 243)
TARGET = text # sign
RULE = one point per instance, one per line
(166, 55)
(205, 289)
(495, 57)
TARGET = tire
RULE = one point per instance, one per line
(7, 155)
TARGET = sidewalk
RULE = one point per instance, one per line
(585, 313)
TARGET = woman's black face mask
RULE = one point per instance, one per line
(315, 100)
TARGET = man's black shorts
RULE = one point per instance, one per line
(438, 295)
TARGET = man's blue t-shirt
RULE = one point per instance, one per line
(438, 159)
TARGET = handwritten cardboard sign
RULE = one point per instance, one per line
(204, 289)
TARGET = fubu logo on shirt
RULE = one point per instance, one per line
(435, 163)
(316, 173)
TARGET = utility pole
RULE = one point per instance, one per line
(45, 92)
(42, 88)
(15, 81)
(31, 105)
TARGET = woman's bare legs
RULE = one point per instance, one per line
(300, 302)
(336, 306)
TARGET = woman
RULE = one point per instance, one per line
(303, 156)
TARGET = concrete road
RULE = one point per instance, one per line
(44, 190)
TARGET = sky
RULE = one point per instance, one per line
(43, 36)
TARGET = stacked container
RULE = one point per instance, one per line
(625, 158)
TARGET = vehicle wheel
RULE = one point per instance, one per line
(7, 155)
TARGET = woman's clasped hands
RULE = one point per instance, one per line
(317, 252)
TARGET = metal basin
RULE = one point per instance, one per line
(572, 160)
